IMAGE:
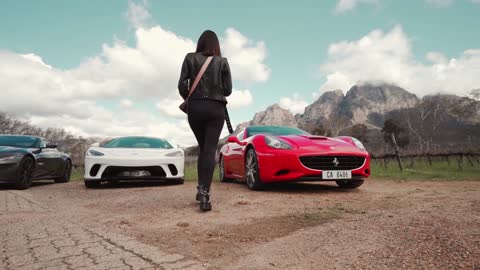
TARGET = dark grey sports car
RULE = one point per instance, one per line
(27, 158)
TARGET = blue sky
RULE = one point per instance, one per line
(292, 42)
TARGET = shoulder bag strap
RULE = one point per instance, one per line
(199, 75)
(227, 119)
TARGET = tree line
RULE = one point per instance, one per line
(437, 124)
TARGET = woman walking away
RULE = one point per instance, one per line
(205, 80)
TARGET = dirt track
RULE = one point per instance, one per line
(383, 225)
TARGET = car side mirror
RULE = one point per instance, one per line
(51, 145)
(233, 139)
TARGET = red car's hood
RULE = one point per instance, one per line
(323, 144)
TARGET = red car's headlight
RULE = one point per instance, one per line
(276, 143)
(358, 143)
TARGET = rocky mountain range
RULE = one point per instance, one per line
(371, 105)
(364, 104)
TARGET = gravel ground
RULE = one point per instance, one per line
(382, 225)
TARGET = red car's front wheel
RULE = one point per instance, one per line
(252, 173)
(221, 171)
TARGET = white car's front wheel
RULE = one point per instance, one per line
(92, 183)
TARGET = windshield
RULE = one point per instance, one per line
(19, 141)
(274, 130)
(137, 142)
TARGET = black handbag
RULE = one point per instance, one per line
(184, 106)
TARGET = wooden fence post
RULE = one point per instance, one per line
(459, 161)
(469, 160)
(412, 162)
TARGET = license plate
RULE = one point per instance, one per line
(135, 174)
(337, 175)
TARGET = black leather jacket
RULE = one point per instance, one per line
(216, 82)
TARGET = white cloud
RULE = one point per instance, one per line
(388, 57)
(106, 123)
(34, 58)
(245, 57)
(436, 58)
(239, 98)
(138, 14)
(147, 71)
(347, 5)
(169, 107)
(126, 103)
(295, 103)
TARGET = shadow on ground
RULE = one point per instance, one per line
(135, 184)
(299, 187)
(11, 186)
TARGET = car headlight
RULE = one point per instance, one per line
(276, 143)
(358, 143)
(94, 153)
(8, 159)
(175, 154)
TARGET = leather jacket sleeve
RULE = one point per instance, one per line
(226, 78)
(184, 81)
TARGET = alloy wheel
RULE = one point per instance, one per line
(25, 173)
(251, 168)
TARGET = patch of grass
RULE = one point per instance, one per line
(422, 170)
(77, 174)
(192, 176)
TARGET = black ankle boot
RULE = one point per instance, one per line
(199, 192)
(205, 204)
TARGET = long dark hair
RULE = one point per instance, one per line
(208, 44)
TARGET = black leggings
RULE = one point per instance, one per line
(206, 118)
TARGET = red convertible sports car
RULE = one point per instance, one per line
(267, 154)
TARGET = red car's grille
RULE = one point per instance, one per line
(332, 163)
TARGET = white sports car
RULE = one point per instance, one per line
(131, 158)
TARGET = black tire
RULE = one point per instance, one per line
(349, 184)
(92, 183)
(221, 171)
(252, 173)
(25, 173)
(67, 173)
(180, 181)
